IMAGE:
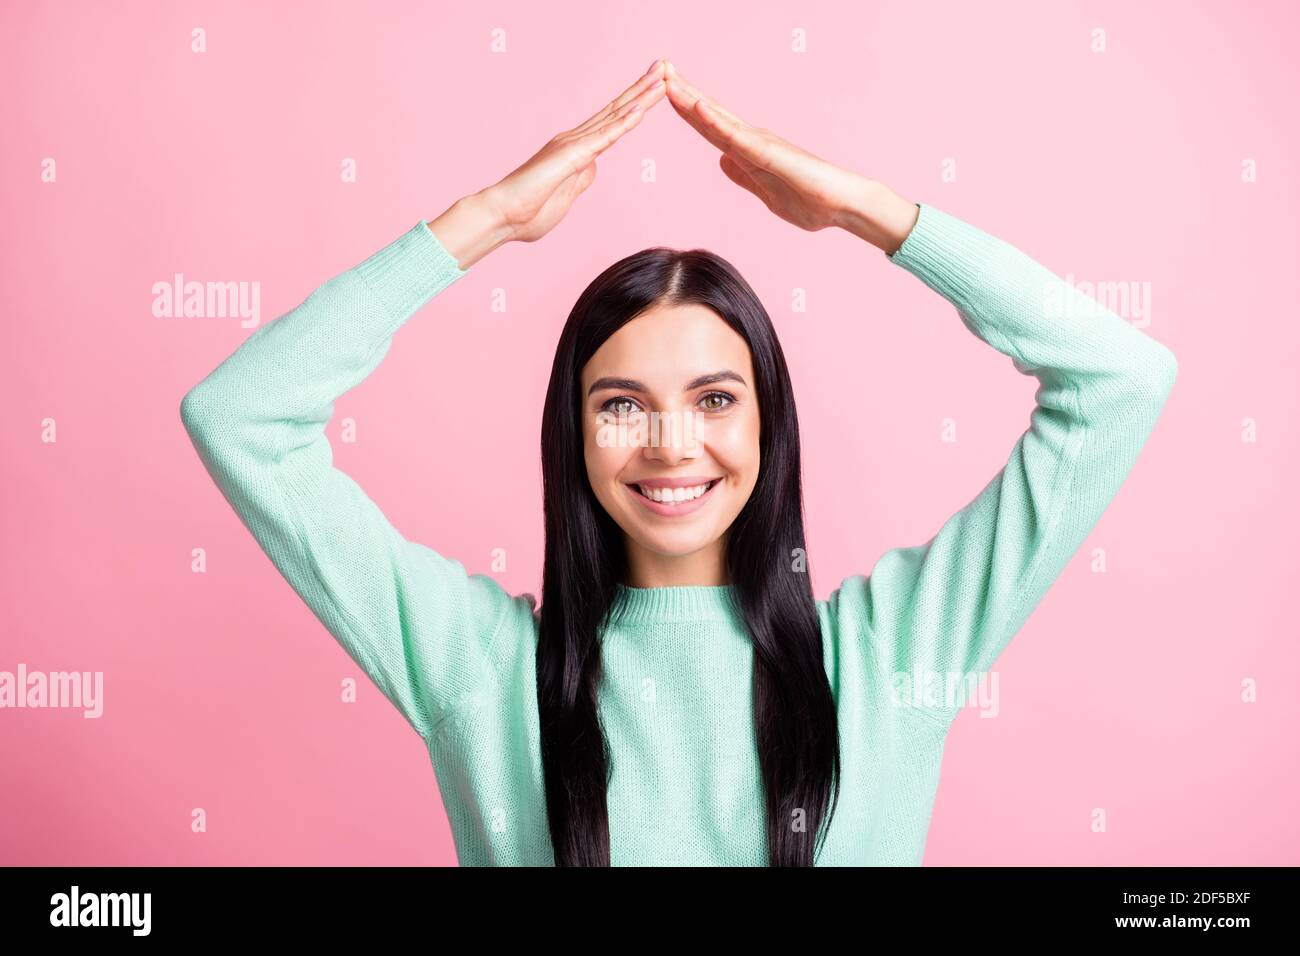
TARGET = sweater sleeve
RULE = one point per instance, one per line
(941, 612)
(415, 622)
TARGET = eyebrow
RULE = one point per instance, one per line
(632, 385)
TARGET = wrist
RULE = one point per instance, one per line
(470, 228)
(878, 215)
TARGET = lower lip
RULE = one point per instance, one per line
(674, 511)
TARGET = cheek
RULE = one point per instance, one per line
(604, 462)
(734, 443)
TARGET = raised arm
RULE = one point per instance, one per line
(943, 611)
(947, 608)
(413, 620)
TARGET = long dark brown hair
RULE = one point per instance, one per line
(585, 560)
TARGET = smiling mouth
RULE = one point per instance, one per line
(670, 496)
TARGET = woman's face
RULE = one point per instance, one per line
(683, 381)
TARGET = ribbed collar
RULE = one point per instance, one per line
(684, 602)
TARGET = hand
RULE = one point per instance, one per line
(799, 187)
(533, 198)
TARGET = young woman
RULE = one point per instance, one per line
(680, 697)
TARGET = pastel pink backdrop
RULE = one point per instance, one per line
(1123, 690)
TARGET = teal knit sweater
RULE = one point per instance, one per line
(455, 652)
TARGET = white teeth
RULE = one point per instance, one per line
(673, 495)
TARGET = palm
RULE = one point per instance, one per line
(545, 202)
(796, 185)
(556, 205)
(532, 199)
(807, 203)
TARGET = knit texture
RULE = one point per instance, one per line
(456, 653)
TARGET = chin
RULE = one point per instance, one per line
(675, 545)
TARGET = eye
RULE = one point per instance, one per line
(614, 401)
(730, 400)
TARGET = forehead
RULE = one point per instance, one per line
(669, 344)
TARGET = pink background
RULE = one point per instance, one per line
(1122, 692)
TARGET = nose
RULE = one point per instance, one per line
(673, 437)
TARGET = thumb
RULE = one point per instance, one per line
(737, 175)
(585, 178)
